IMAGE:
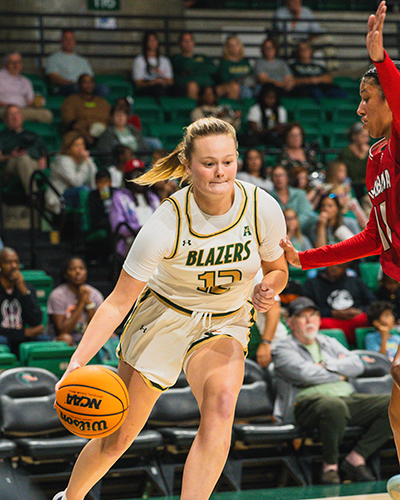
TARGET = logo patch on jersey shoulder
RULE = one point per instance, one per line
(246, 231)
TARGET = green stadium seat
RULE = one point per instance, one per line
(54, 360)
(361, 333)
(42, 282)
(337, 334)
(177, 109)
(369, 272)
(8, 360)
(170, 134)
(148, 110)
(299, 107)
(26, 347)
(39, 86)
(298, 274)
(4, 348)
(119, 86)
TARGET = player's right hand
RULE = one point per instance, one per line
(374, 40)
(73, 365)
(291, 254)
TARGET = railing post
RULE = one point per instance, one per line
(41, 42)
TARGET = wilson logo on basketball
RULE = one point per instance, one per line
(85, 426)
(85, 402)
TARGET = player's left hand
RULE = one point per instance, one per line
(263, 297)
(374, 38)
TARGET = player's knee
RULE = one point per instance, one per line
(223, 404)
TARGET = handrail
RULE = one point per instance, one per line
(36, 32)
(34, 204)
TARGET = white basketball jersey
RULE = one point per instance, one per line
(210, 272)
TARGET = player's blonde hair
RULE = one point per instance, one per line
(172, 166)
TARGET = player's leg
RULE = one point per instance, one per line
(393, 485)
(215, 373)
(100, 454)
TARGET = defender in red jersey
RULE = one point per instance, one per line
(379, 110)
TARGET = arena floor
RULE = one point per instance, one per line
(351, 491)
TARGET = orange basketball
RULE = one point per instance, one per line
(92, 401)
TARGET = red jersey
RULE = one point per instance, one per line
(382, 234)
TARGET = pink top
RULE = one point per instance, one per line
(17, 90)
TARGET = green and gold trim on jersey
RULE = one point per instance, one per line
(242, 210)
(188, 312)
(153, 385)
(177, 209)
(255, 214)
(210, 338)
(142, 298)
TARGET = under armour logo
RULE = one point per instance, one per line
(143, 329)
(246, 231)
(186, 242)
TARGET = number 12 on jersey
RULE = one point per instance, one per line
(210, 279)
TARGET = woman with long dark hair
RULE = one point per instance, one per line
(151, 71)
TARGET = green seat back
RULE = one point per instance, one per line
(53, 360)
(8, 360)
(369, 272)
(361, 333)
(26, 347)
(41, 282)
(337, 334)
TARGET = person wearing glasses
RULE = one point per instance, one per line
(379, 110)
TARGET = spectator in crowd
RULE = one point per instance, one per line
(254, 170)
(21, 317)
(290, 197)
(267, 118)
(99, 205)
(18, 90)
(295, 22)
(191, 71)
(152, 72)
(299, 177)
(385, 339)
(355, 156)
(295, 152)
(133, 119)
(389, 291)
(341, 298)
(121, 156)
(163, 189)
(120, 132)
(331, 226)
(298, 239)
(21, 150)
(72, 304)
(313, 389)
(132, 206)
(271, 69)
(64, 67)
(207, 105)
(235, 74)
(71, 171)
(311, 79)
(85, 112)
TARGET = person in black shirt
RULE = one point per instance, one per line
(22, 151)
(19, 306)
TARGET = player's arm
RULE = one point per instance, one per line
(363, 244)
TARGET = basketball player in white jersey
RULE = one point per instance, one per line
(191, 271)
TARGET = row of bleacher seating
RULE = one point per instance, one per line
(317, 5)
(325, 122)
(33, 437)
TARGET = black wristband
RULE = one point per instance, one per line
(265, 341)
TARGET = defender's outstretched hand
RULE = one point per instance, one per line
(374, 39)
(291, 254)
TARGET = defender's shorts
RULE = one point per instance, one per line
(158, 338)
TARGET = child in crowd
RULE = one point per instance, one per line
(389, 291)
(386, 338)
(99, 202)
(121, 155)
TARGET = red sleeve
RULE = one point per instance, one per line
(389, 78)
(361, 245)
